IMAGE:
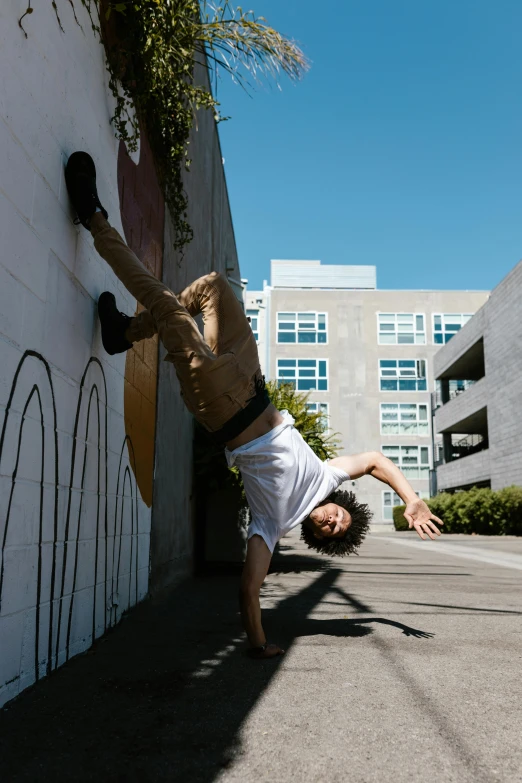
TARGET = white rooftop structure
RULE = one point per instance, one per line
(313, 274)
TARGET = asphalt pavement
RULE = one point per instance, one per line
(402, 664)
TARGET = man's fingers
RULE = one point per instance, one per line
(437, 520)
(419, 531)
(428, 532)
(433, 528)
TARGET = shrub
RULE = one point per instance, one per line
(479, 510)
(511, 502)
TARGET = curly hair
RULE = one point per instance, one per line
(348, 545)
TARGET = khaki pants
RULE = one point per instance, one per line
(217, 372)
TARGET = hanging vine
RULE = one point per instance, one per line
(151, 48)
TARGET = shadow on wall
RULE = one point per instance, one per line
(165, 698)
(84, 558)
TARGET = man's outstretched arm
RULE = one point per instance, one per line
(373, 463)
(254, 573)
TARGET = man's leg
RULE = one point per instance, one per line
(141, 327)
(214, 387)
(226, 328)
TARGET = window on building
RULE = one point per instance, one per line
(414, 461)
(391, 499)
(303, 374)
(404, 418)
(401, 329)
(319, 407)
(402, 375)
(309, 327)
(445, 325)
(253, 317)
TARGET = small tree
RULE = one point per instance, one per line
(313, 427)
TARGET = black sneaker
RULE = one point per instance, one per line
(113, 325)
(80, 178)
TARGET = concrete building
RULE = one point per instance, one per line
(96, 505)
(364, 355)
(477, 410)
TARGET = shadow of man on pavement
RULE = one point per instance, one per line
(164, 696)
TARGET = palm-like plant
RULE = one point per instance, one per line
(312, 426)
(242, 44)
(152, 47)
(152, 69)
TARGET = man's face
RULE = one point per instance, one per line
(329, 521)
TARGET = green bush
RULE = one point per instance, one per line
(511, 502)
(479, 510)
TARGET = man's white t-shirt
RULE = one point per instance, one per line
(284, 480)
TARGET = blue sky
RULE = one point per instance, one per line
(402, 147)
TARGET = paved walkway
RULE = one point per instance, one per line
(402, 665)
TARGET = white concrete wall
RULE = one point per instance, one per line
(74, 533)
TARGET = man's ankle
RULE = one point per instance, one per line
(97, 221)
(128, 333)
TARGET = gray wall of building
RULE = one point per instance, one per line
(353, 355)
(499, 323)
(212, 249)
(459, 408)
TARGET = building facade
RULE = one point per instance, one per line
(96, 506)
(365, 357)
(477, 411)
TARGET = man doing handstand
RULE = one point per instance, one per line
(285, 483)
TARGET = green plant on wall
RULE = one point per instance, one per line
(152, 47)
(312, 426)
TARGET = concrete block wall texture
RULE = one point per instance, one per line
(499, 323)
(74, 522)
(466, 471)
(212, 249)
(470, 333)
(503, 366)
(456, 410)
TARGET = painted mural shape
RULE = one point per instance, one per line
(70, 554)
(143, 218)
(77, 427)
(83, 561)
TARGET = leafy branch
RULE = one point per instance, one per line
(152, 47)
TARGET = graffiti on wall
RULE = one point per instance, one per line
(84, 560)
(72, 559)
(143, 218)
(77, 427)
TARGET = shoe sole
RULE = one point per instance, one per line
(81, 164)
(106, 308)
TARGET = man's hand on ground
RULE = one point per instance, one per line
(270, 651)
(419, 516)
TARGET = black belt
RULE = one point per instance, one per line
(243, 418)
